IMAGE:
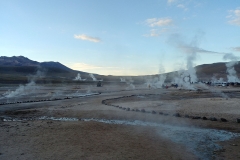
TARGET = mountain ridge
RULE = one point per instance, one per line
(22, 66)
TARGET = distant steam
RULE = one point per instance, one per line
(29, 88)
(122, 80)
(78, 78)
(157, 82)
(232, 74)
(92, 76)
(130, 84)
(187, 76)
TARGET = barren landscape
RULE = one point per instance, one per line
(119, 80)
(117, 122)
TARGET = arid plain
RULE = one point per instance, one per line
(116, 121)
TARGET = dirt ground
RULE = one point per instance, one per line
(25, 135)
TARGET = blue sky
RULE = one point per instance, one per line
(116, 37)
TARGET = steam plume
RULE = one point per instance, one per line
(232, 74)
(92, 76)
(78, 78)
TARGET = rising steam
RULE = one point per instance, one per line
(187, 75)
(78, 78)
(29, 88)
(232, 74)
(157, 82)
(92, 76)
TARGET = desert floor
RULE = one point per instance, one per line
(118, 122)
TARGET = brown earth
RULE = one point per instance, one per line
(48, 139)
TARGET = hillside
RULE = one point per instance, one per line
(19, 69)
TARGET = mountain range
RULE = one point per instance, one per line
(17, 69)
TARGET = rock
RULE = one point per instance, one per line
(186, 116)
(160, 112)
(142, 110)
(137, 110)
(120, 107)
(133, 109)
(238, 120)
(204, 118)
(124, 108)
(128, 109)
(223, 120)
(153, 112)
(165, 114)
(213, 119)
(176, 115)
(196, 117)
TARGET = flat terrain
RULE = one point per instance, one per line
(117, 121)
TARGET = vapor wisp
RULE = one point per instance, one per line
(232, 74)
(79, 78)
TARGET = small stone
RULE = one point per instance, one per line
(128, 109)
(204, 118)
(238, 120)
(186, 116)
(223, 120)
(213, 119)
(160, 112)
(137, 110)
(176, 115)
(153, 112)
(196, 117)
(142, 110)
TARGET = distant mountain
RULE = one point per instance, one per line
(54, 65)
(218, 70)
(16, 69)
(17, 61)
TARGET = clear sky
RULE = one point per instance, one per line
(120, 37)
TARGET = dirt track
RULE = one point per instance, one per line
(48, 139)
